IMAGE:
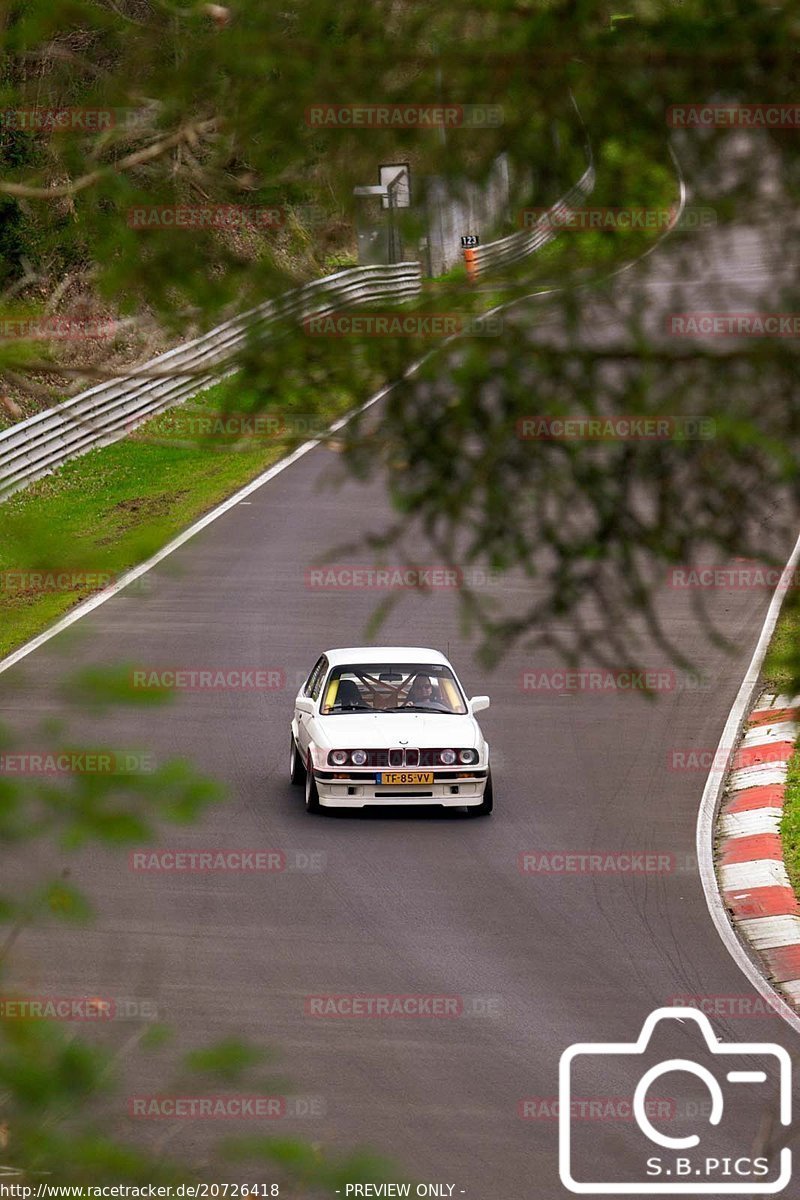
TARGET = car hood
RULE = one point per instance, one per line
(372, 731)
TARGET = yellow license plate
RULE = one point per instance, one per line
(395, 777)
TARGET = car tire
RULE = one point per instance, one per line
(487, 803)
(297, 770)
(312, 795)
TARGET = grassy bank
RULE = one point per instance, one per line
(782, 664)
(790, 823)
(781, 674)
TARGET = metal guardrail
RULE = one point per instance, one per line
(517, 246)
(111, 410)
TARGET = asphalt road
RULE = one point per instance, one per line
(408, 903)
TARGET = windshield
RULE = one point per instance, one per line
(392, 687)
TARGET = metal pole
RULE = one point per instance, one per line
(390, 191)
(442, 130)
(390, 194)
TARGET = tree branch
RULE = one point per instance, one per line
(185, 133)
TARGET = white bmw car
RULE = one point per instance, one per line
(389, 725)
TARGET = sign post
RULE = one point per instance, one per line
(468, 242)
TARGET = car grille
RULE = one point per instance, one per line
(404, 756)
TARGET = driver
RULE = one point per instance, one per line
(421, 691)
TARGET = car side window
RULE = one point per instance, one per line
(316, 672)
(316, 686)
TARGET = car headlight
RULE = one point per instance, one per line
(468, 757)
(338, 758)
(448, 757)
(359, 757)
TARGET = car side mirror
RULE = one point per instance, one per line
(479, 703)
(304, 704)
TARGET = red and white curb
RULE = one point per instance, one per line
(749, 855)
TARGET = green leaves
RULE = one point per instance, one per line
(42, 1070)
(63, 901)
(227, 1060)
(309, 1169)
(99, 689)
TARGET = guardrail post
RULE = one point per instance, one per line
(471, 264)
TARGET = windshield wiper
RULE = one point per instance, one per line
(351, 708)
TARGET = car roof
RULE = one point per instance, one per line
(384, 654)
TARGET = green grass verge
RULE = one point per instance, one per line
(114, 507)
(790, 823)
(782, 665)
(781, 674)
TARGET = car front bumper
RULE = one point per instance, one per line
(357, 791)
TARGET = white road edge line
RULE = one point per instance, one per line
(712, 792)
(86, 606)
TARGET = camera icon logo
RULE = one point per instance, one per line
(681, 1164)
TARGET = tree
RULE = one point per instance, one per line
(217, 106)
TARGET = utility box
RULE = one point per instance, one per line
(377, 228)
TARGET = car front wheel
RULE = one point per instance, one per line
(297, 771)
(312, 795)
(487, 803)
